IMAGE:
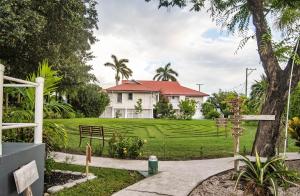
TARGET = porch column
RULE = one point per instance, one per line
(125, 112)
(112, 112)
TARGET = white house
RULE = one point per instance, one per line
(124, 97)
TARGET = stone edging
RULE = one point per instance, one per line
(57, 188)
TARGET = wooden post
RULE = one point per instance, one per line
(236, 128)
(38, 117)
(88, 154)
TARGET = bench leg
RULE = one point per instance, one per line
(80, 142)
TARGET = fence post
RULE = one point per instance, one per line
(1, 104)
(38, 117)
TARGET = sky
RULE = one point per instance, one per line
(198, 49)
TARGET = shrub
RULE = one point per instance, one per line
(187, 108)
(259, 176)
(212, 115)
(138, 107)
(125, 147)
(163, 109)
(294, 129)
(90, 101)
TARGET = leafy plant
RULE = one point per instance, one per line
(187, 108)
(163, 109)
(125, 147)
(294, 129)
(54, 136)
(138, 107)
(90, 101)
(263, 177)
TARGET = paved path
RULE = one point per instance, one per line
(176, 178)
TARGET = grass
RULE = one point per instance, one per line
(107, 182)
(167, 139)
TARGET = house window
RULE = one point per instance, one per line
(119, 98)
(173, 97)
(130, 96)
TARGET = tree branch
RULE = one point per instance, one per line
(267, 56)
(296, 71)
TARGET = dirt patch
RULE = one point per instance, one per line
(59, 178)
(223, 184)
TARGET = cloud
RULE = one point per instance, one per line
(151, 37)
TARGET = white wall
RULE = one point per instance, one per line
(148, 100)
(126, 107)
(127, 110)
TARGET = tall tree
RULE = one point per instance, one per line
(119, 65)
(236, 14)
(165, 73)
(60, 31)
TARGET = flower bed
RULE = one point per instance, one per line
(223, 184)
(59, 180)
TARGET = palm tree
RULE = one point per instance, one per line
(165, 73)
(120, 67)
(258, 93)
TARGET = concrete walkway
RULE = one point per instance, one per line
(176, 178)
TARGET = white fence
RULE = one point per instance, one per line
(38, 118)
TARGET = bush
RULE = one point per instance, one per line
(90, 101)
(125, 147)
(163, 109)
(294, 129)
(187, 109)
(264, 178)
(212, 115)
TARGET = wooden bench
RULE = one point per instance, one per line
(91, 132)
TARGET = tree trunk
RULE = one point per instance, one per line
(268, 132)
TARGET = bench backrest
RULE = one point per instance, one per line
(91, 130)
(97, 130)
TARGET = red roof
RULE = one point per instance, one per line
(164, 87)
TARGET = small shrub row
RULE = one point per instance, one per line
(125, 147)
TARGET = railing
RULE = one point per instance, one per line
(38, 117)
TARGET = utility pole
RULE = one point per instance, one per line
(199, 85)
(248, 72)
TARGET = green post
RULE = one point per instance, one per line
(152, 165)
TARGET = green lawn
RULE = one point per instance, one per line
(168, 139)
(107, 182)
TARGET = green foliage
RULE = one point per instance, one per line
(209, 111)
(165, 73)
(119, 65)
(294, 129)
(220, 101)
(212, 114)
(90, 101)
(138, 107)
(187, 109)
(60, 31)
(54, 136)
(261, 176)
(49, 165)
(258, 94)
(163, 109)
(295, 102)
(125, 147)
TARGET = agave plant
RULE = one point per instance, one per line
(263, 177)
